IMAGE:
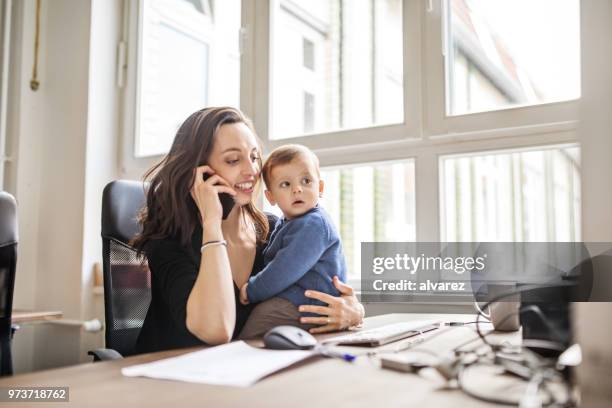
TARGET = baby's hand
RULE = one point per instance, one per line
(244, 298)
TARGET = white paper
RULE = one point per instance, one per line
(235, 364)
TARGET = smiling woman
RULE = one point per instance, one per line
(197, 259)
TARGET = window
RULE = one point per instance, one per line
(343, 43)
(512, 52)
(520, 196)
(183, 58)
(370, 203)
(433, 120)
(169, 89)
(434, 85)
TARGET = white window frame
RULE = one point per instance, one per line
(129, 64)
(428, 133)
(536, 118)
(129, 51)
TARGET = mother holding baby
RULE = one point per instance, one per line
(200, 261)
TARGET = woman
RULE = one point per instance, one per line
(199, 260)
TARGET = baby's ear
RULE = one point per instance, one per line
(321, 187)
(269, 197)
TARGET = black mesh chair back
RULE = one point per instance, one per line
(127, 283)
(8, 263)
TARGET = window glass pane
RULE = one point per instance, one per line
(346, 54)
(525, 196)
(190, 59)
(506, 53)
(369, 203)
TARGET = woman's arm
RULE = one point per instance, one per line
(340, 313)
(211, 308)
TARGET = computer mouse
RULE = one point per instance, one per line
(288, 338)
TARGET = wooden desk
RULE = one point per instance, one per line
(29, 316)
(314, 383)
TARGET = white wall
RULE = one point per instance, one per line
(64, 145)
(102, 151)
(62, 139)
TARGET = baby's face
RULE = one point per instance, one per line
(295, 187)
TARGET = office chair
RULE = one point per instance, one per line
(127, 283)
(8, 263)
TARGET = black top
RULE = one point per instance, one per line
(174, 269)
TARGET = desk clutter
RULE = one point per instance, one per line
(501, 371)
(486, 365)
(447, 367)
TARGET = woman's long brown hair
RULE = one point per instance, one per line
(170, 211)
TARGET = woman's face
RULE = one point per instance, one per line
(235, 156)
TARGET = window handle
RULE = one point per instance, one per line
(121, 63)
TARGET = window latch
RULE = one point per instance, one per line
(121, 63)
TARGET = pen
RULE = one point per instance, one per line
(324, 351)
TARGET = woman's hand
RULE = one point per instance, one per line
(340, 313)
(206, 193)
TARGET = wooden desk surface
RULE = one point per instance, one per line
(314, 383)
(29, 316)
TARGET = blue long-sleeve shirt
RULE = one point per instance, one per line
(302, 253)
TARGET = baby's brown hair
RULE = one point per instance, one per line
(283, 155)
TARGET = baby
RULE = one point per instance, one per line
(304, 250)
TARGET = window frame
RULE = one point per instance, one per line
(257, 18)
(426, 134)
(547, 116)
(129, 66)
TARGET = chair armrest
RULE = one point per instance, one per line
(104, 354)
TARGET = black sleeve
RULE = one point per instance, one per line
(174, 269)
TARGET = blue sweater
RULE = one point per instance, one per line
(302, 253)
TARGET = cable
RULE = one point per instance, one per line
(456, 324)
(539, 380)
(477, 395)
(534, 365)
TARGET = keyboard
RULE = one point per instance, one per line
(385, 334)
